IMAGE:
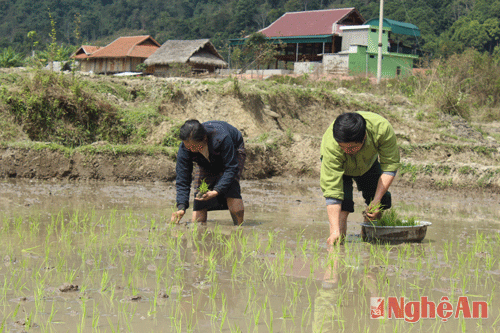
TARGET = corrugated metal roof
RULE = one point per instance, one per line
(308, 23)
(289, 39)
(135, 46)
(397, 27)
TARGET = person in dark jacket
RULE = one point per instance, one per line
(218, 150)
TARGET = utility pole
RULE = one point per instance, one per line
(380, 29)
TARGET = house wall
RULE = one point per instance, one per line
(335, 61)
(180, 69)
(390, 64)
(363, 57)
(160, 70)
(358, 59)
(354, 37)
(302, 68)
(363, 62)
(85, 65)
(114, 65)
(373, 39)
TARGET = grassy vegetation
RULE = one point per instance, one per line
(54, 107)
(60, 109)
(74, 111)
(105, 148)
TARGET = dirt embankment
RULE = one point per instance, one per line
(49, 164)
(282, 126)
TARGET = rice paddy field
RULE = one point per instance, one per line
(99, 257)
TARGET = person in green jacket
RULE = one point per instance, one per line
(350, 150)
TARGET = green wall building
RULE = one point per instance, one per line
(360, 49)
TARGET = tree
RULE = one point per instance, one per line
(261, 17)
(244, 12)
(492, 28)
(260, 49)
(33, 37)
(10, 58)
(293, 6)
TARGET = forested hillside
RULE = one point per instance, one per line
(448, 26)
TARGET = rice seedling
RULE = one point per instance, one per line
(256, 268)
(390, 218)
(202, 189)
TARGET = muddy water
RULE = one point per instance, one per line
(100, 257)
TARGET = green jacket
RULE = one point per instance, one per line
(380, 141)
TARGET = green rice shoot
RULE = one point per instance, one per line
(391, 218)
(203, 188)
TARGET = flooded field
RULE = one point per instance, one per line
(102, 258)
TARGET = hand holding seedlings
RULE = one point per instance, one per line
(373, 211)
(207, 196)
(202, 189)
(204, 193)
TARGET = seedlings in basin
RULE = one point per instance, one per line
(390, 218)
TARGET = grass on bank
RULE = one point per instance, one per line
(75, 110)
(104, 148)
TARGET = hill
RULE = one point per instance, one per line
(114, 128)
(448, 26)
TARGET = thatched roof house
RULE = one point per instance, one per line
(199, 54)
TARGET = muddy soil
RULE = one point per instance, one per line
(133, 285)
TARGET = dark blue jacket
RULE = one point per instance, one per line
(223, 142)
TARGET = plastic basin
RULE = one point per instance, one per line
(414, 233)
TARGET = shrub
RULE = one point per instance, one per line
(57, 108)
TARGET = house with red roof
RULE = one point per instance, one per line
(82, 54)
(308, 34)
(339, 41)
(122, 55)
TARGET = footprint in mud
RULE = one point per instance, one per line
(132, 298)
(67, 287)
(25, 323)
(175, 289)
(129, 253)
(22, 299)
(202, 285)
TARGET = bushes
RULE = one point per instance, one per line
(57, 108)
(459, 85)
(10, 58)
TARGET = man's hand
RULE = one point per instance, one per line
(177, 216)
(207, 196)
(338, 223)
(334, 238)
(373, 212)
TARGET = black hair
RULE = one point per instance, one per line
(192, 130)
(349, 127)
